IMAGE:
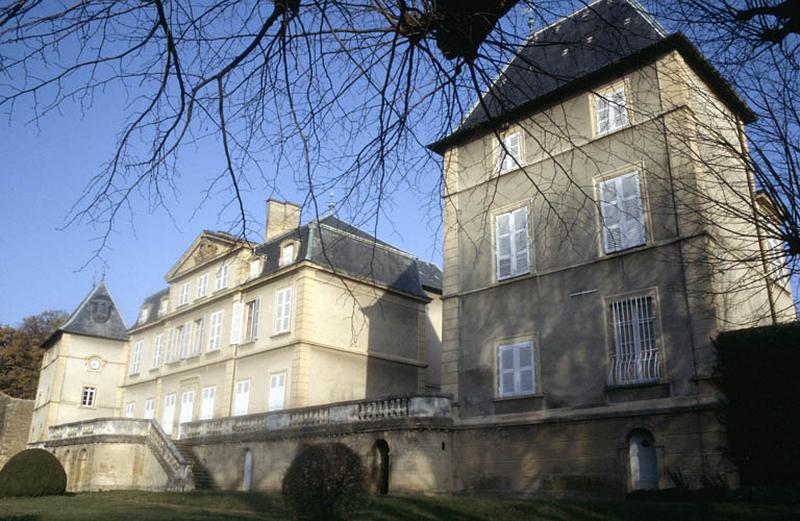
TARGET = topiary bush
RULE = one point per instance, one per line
(325, 482)
(32, 472)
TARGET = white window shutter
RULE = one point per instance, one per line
(503, 253)
(601, 112)
(618, 109)
(631, 211)
(609, 211)
(236, 323)
(521, 248)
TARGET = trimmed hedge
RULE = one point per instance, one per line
(325, 482)
(758, 371)
(32, 472)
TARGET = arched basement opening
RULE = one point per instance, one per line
(379, 471)
(643, 460)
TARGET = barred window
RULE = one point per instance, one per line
(636, 357)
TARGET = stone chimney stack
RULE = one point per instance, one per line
(282, 217)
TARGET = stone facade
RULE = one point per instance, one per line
(15, 423)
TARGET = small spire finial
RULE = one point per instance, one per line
(331, 204)
(531, 19)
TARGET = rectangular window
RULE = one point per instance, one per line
(207, 405)
(610, 110)
(283, 309)
(130, 408)
(236, 322)
(156, 352)
(277, 391)
(197, 342)
(185, 338)
(516, 375)
(149, 409)
(89, 396)
(509, 153)
(168, 415)
(222, 277)
(636, 357)
(172, 345)
(215, 336)
(202, 285)
(251, 320)
(622, 212)
(512, 250)
(241, 397)
(136, 357)
(184, 294)
(187, 407)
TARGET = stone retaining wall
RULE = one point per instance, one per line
(15, 425)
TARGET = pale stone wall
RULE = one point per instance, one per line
(15, 423)
(110, 465)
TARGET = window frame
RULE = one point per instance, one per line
(136, 358)
(254, 268)
(605, 94)
(150, 407)
(204, 401)
(158, 341)
(198, 334)
(500, 156)
(283, 259)
(215, 332)
(610, 332)
(130, 409)
(516, 392)
(222, 277)
(282, 405)
(89, 396)
(183, 294)
(510, 211)
(597, 181)
(252, 312)
(279, 327)
(237, 411)
(202, 286)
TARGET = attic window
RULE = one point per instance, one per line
(287, 254)
(144, 314)
(627, 20)
(589, 39)
(163, 307)
(255, 268)
(565, 52)
(585, 13)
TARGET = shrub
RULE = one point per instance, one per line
(32, 472)
(324, 482)
(757, 373)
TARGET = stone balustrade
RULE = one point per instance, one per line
(415, 407)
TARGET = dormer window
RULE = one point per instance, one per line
(144, 314)
(287, 254)
(163, 307)
(255, 268)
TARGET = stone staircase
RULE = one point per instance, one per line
(202, 479)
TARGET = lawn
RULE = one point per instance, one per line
(152, 506)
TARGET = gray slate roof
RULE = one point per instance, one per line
(96, 316)
(561, 56)
(154, 303)
(333, 243)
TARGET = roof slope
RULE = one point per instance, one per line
(335, 244)
(594, 39)
(96, 316)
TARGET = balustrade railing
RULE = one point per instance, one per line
(355, 412)
(635, 368)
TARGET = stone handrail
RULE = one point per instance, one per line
(177, 468)
(354, 412)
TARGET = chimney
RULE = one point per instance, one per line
(282, 217)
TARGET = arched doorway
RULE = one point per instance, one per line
(247, 477)
(379, 471)
(80, 471)
(643, 460)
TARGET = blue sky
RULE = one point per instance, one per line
(44, 172)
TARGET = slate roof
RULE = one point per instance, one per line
(154, 302)
(333, 243)
(580, 51)
(96, 316)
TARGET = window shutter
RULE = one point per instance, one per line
(503, 238)
(609, 211)
(506, 365)
(632, 229)
(256, 307)
(618, 108)
(236, 323)
(601, 111)
(527, 383)
(521, 249)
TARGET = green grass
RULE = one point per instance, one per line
(152, 506)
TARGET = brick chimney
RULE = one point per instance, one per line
(282, 217)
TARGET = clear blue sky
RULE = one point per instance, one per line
(44, 172)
